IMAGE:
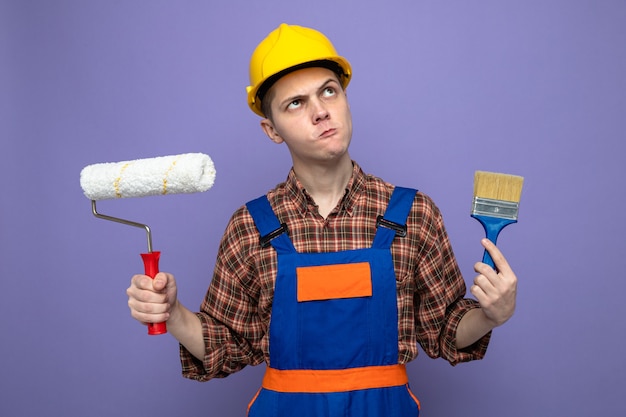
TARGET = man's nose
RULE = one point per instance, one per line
(320, 111)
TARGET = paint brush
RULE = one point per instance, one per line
(496, 203)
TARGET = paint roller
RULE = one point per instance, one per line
(175, 174)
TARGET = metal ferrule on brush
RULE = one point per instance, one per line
(495, 208)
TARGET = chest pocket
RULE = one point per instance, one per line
(329, 282)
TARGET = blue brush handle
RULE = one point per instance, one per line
(493, 226)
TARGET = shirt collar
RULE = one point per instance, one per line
(304, 202)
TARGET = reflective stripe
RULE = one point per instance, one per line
(254, 399)
(351, 379)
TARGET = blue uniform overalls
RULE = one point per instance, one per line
(334, 326)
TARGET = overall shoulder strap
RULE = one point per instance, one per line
(271, 230)
(393, 223)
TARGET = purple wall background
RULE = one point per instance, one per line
(440, 89)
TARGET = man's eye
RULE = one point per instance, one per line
(329, 91)
(294, 104)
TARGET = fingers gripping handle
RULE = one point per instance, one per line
(151, 265)
(493, 226)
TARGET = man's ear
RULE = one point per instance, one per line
(270, 131)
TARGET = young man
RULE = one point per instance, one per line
(334, 276)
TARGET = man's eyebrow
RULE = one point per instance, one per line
(325, 84)
(329, 81)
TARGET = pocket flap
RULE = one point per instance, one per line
(327, 282)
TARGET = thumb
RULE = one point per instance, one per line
(160, 281)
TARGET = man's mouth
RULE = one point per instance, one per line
(327, 132)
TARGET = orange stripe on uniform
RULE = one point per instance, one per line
(328, 282)
(308, 380)
(253, 400)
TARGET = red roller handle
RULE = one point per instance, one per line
(151, 265)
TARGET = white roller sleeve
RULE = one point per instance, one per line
(185, 173)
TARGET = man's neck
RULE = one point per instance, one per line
(326, 184)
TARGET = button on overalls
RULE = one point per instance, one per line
(334, 326)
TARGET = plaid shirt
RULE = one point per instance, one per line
(235, 313)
